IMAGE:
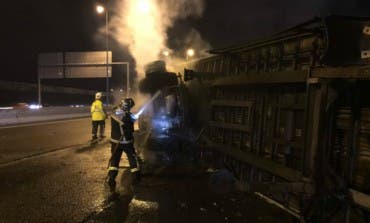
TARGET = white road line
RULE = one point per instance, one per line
(50, 152)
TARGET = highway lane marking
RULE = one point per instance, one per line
(41, 154)
(42, 123)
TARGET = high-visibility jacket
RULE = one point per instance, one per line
(97, 111)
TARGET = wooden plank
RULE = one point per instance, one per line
(259, 162)
(232, 103)
(296, 76)
(362, 72)
(231, 126)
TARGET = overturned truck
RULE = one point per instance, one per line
(164, 142)
(290, 116)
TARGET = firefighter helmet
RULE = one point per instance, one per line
(98, 95)
(127, 104)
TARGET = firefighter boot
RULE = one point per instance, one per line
(94, 139)
(136, 177)
(110, 182)
(110, 190)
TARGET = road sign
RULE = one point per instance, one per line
(50, 72)
(75, 65)
(92, 64)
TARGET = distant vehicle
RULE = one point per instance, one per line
(23, 105)
(20, 105)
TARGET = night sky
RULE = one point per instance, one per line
(32, 27)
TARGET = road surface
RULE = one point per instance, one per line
(27, 140)
(66, 185)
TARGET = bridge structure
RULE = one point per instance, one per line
(15, 92)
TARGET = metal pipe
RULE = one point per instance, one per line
(39, 88)
(106, 48)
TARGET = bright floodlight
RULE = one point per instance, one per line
(100, 9)
(166, 53)
(190, 52)
(143, 6)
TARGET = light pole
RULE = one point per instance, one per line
(101, 9)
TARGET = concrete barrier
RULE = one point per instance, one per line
(22, 116)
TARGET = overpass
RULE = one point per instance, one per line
(14, 92)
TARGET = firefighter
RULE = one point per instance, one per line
(98, 116)
(122, 140)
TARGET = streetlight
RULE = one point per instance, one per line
(100, 10)
(166, 53)
(189, 53)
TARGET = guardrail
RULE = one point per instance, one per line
(22, 116)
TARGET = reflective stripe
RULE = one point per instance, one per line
(134, 170)
(121, 142)
(113, 168)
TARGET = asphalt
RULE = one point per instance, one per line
(18, 142)
(62, 186)
(67, 185)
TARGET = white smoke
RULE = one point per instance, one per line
(177, 62)
(142, 25)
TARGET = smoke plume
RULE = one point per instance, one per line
(142, 25)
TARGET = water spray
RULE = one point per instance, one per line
(144, 107)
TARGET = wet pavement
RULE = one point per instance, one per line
(62, 186)
(67, 186)
(162, 200)
(17, 142)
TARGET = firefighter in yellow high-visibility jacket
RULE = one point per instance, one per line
(98, 116)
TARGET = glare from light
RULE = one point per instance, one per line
(143, 6)
(161, 124)
(190, 52)
(166, 53)
(100, 9)
(6, 108)
(140, 26)
(35, 106)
